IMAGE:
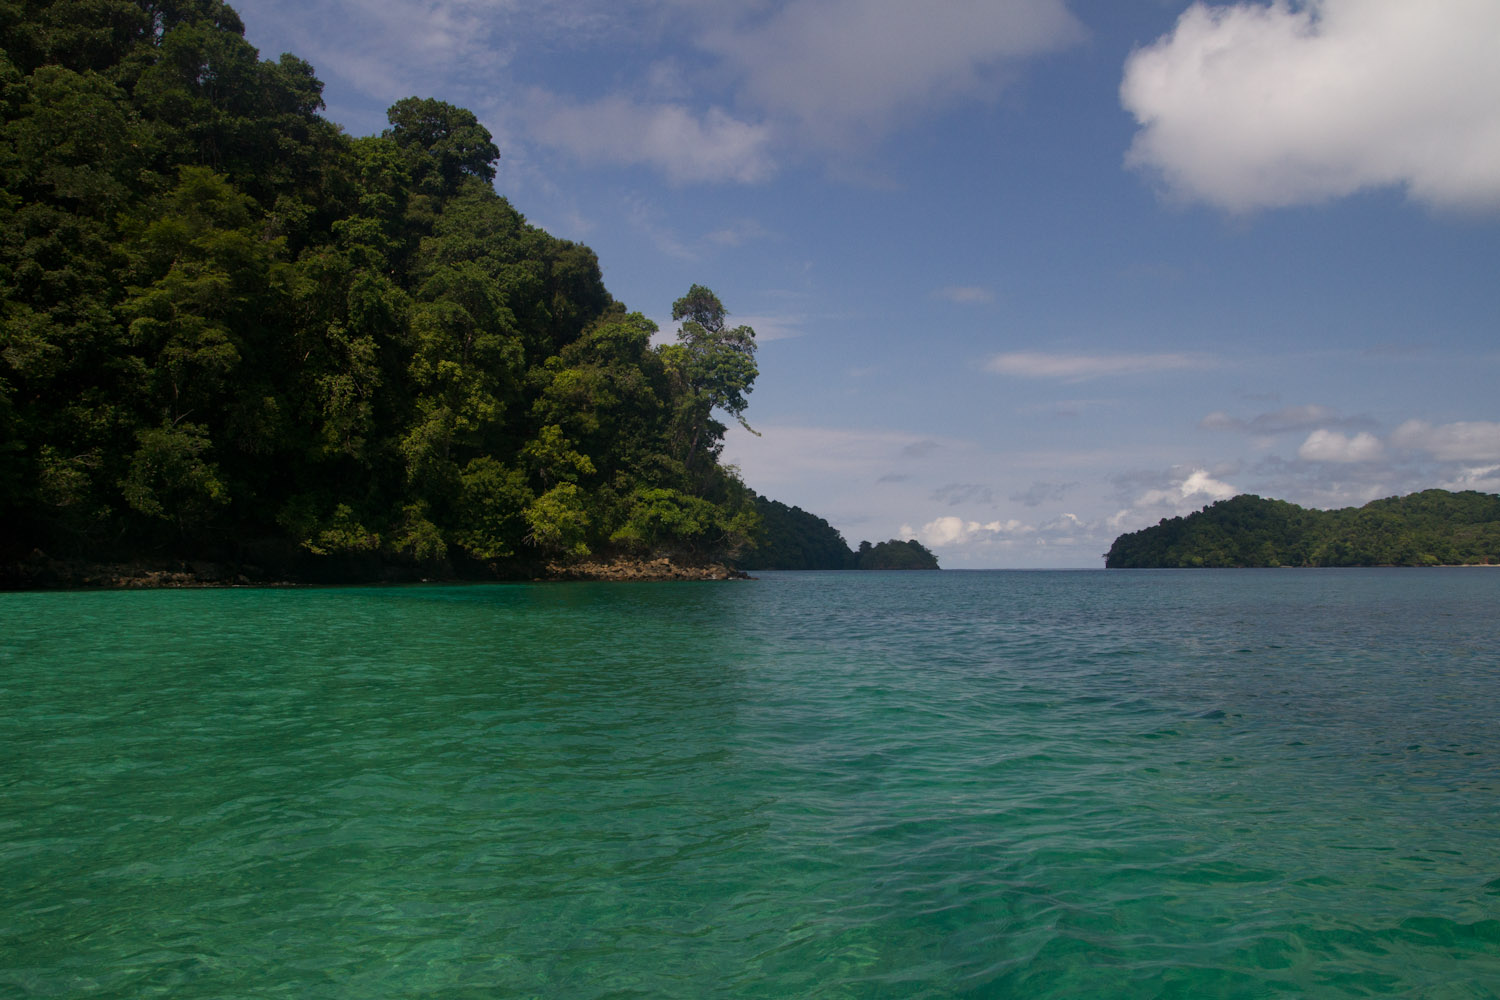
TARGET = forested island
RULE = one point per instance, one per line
(792, 538)
(236, 336)
(1431, 528)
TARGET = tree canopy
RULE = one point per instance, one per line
(228, 330)
(793, 539)
(1434, 527)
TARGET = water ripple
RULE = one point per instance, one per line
(813, 785)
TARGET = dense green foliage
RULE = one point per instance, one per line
(1431, 528)
(792, 538)
(894, 554)
(229, 327)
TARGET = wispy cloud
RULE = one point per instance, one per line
(1039, 493)
(770, 327)
(681, 142)
(646, 219)
(784, 453)
(1288, 418)
(767, 327)
(1077, 367)
(732, 88)
(737, 234)
(954, 494)
(1254, 105)
(968, 295)
(843, 72)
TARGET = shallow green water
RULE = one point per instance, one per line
(1230, 784)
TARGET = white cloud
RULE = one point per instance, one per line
(844, 71)
(1485, 479)
(1464, 441)
(1252, 105)
(966, 294)
(1076, 367)
(945, 532)
(951, 532)
(1330, 446)
(683, 144)
(1192, 490)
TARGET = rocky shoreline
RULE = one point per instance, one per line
(41, 572)
(626, 570)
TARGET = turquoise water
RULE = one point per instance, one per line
(1007, 784)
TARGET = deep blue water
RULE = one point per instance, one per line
(977, 784)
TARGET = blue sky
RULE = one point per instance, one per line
(1025, 274)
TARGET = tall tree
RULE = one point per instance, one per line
(715, 368)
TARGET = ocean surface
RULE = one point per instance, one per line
(843, 785)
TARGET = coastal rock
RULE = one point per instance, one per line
(621, 570)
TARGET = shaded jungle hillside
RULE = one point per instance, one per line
(790, 538)
(232, 332)
(1431, 528)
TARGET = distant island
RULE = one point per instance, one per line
(1430, 528)
(792, 538)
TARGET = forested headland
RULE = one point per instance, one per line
(232, 332)
(792, 538)
(1431, 528)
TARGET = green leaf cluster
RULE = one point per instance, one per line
(227, 327)
(1431, 528)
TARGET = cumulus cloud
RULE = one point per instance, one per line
(1330, 446)
(1193, 489)
(1252, 105)
(843, 71)
(948, 531)
(1077, 367)
(955, 532)
(683, 144)
(1464, 441)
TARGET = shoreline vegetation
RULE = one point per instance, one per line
(1432, 528)
(44, 573)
